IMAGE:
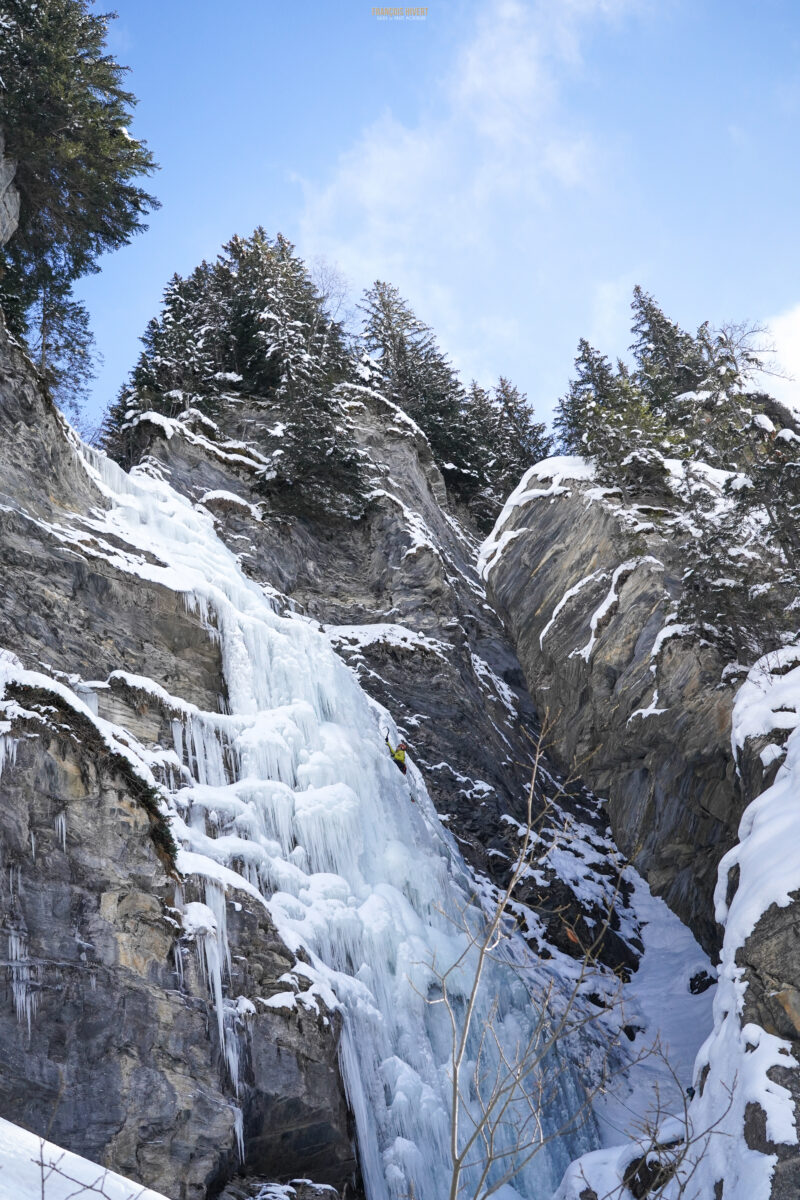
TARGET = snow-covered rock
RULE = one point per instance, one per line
(587, 587)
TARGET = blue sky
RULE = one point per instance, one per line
(513, 166)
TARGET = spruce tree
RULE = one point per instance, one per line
(588, 394)
(735, 510)
(64, 112)
(521, 440)
(417, 376)
(62, 345)
(253, 324)
(669, 361)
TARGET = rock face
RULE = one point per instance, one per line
(397, 593)
(643, 710)
(108, 1034)
(770, 961)
(108, 1029)
(115, 1053)
(9, 196)
(587, 591)
(399, 596)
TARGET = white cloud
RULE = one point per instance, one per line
(439, 206)
(785, 330)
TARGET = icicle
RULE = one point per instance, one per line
(33, 846)
(177, 738)
(215, 899)
(177, 955)
(214, 977)
(231, 1046)
(8, 751)
(238, 1129)
(61, 829)
(25, 998)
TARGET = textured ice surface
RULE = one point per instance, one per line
(291, 796)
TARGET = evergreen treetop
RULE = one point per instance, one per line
(735, 488)
(64, 112)
(254, 323)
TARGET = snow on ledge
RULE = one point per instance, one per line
(769, 699)
(384, 633)
(739, 1056)
(555, 470)
(225, 499)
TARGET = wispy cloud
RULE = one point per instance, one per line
(437, 203)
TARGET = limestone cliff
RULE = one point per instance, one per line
(108, 1034)
(588, 587)
(125, 1037)
(653, 717)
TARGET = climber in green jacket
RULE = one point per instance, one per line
(399, 755)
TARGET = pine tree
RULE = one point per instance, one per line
(315, 468)
(253, 323)
(480, 430)
(62, 346)
(692, 398)
(417, 376)
(522, 440)
(64, 113)
(589, 392)
(628, 439)
(670, 362)
(772, 483)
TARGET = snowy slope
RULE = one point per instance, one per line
(32, 1168)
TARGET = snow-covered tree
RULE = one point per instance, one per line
(253, 323)
(589, 393)
(736, 504)
(417, 376)
(669, 362)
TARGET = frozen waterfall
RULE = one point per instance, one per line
(291, 796)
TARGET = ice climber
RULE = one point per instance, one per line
(399, 755)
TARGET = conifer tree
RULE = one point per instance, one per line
(522, 440)
(736, 504)
(480, 430)
(669, 361)
(64, 112)
(418, 378)
(588, 394)
(253, 323)
(61, 344)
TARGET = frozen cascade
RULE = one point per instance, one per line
(309, 816)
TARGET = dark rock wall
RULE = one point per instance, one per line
(400, 596)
